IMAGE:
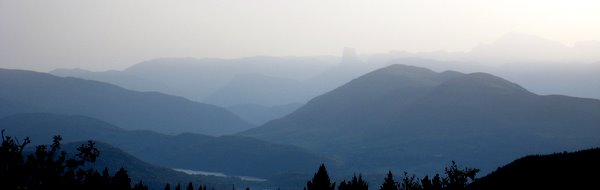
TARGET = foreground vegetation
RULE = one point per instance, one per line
(455, 179)
(49, 167)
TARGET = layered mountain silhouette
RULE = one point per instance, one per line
(573, 170)
(513, 48)
(197, 79)
(27, 91)
(260, 90)
(232, 155)
(518, 47)
(528, 60)
(119, 78)
(259, 115)
(269, 82)
(413, 119)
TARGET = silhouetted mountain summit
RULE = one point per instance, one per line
(404, 71)
(40, 92)
(402, 116)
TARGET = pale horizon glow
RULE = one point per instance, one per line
(114, 34)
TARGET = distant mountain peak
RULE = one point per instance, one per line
(405, 70)
(385, 119)
(516, 47)
(349, 55)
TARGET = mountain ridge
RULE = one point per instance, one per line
(232, 155)
(380, 117)
(126, 108)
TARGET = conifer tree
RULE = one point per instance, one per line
(458, 179)
(50, 167)
(426, 183)
(320, 180)
(436, 182)
(389, 183)
(410, 183)
(121, 180)
(140, 186)
(357, 183)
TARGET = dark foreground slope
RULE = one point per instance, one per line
(410, 118)
(232, 155)
(576, 170)
(27, 91)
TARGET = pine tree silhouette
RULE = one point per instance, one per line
(49, 167)
(436, 182)
(121, 180)
(140, 186)
(190, 186)
(410, 183)
(320, 180)
(426, 183)
(389, 183)
(431, 184)
(458, 179)
(356, 183)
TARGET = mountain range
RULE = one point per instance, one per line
(257, 81)
(411, 118)
(400, 117)
(198, 79)
(540, 65)
(512, 48)
(28, 91)
(231, 155)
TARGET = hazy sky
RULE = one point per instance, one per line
(113, 34)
